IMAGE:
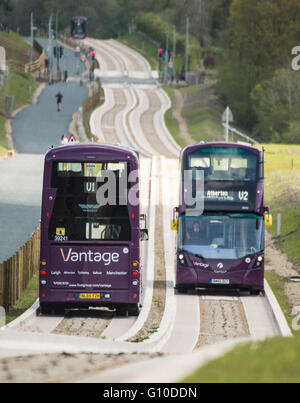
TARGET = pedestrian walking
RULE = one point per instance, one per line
(59, 98)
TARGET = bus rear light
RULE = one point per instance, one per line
(107, 296)
(135, 273)
(135, 283)
(48, 214)
(43, 295)
(43, 282)
(135, 264)
(132, 216)
(134, 296)
(43, 272)
(43, 263)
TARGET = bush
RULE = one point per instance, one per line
(209, 61)
(155, 27)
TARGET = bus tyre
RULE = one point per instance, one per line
(134, 310)
(45, 309)
(181, 289)
(256, 292)
(121, 311)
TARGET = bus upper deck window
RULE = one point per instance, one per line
(64, 167)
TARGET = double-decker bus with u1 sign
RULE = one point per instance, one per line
(91, 229)
(221, 218)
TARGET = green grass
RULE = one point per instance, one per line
(2, 135)
(173, 127)
(204, 123)
(277, 284)
(28, 297)
(271, 361)
(143, 46)
(18, 83)
(172, 123)
(283, 195)
(17, 49)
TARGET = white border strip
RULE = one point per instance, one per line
(277, 313)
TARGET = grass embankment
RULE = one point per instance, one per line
(202, 112)
(271, 361)
(28, 297)
(18, 84)
(149, 49)
(274, 360)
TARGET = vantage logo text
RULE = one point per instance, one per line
(107, 257)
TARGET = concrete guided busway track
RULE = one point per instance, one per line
(133, 115)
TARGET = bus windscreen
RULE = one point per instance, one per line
(225, 164)
(230, 236)
(77, 214)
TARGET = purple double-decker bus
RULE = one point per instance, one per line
(78, 28)
(221, 244)
(90, 229)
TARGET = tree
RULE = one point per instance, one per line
(277, 105)
(257, 41)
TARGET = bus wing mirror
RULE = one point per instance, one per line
(144, 234)
(268, 220)
(174, 225)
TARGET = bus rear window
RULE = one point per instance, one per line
(76, 215)
(87, 169)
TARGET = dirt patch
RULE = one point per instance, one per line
(279, 263)
(178, 108)
(85, 323)
(221, 320)
(61, 367)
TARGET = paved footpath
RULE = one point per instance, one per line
(34, 130)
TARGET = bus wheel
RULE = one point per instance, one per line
(122, 311)
(181, 289)
(255, 292)
(45, 309)
(134, 310)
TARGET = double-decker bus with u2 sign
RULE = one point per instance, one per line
(221, 223)
(91, 229)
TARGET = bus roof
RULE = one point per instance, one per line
(91, 151)
(79, 17)
(191, 148)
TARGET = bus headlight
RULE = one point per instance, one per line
(181, 259)
(259, 261)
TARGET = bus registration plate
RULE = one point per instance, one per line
(89, 296)
(219, 281)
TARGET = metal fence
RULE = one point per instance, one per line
(16, 272)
